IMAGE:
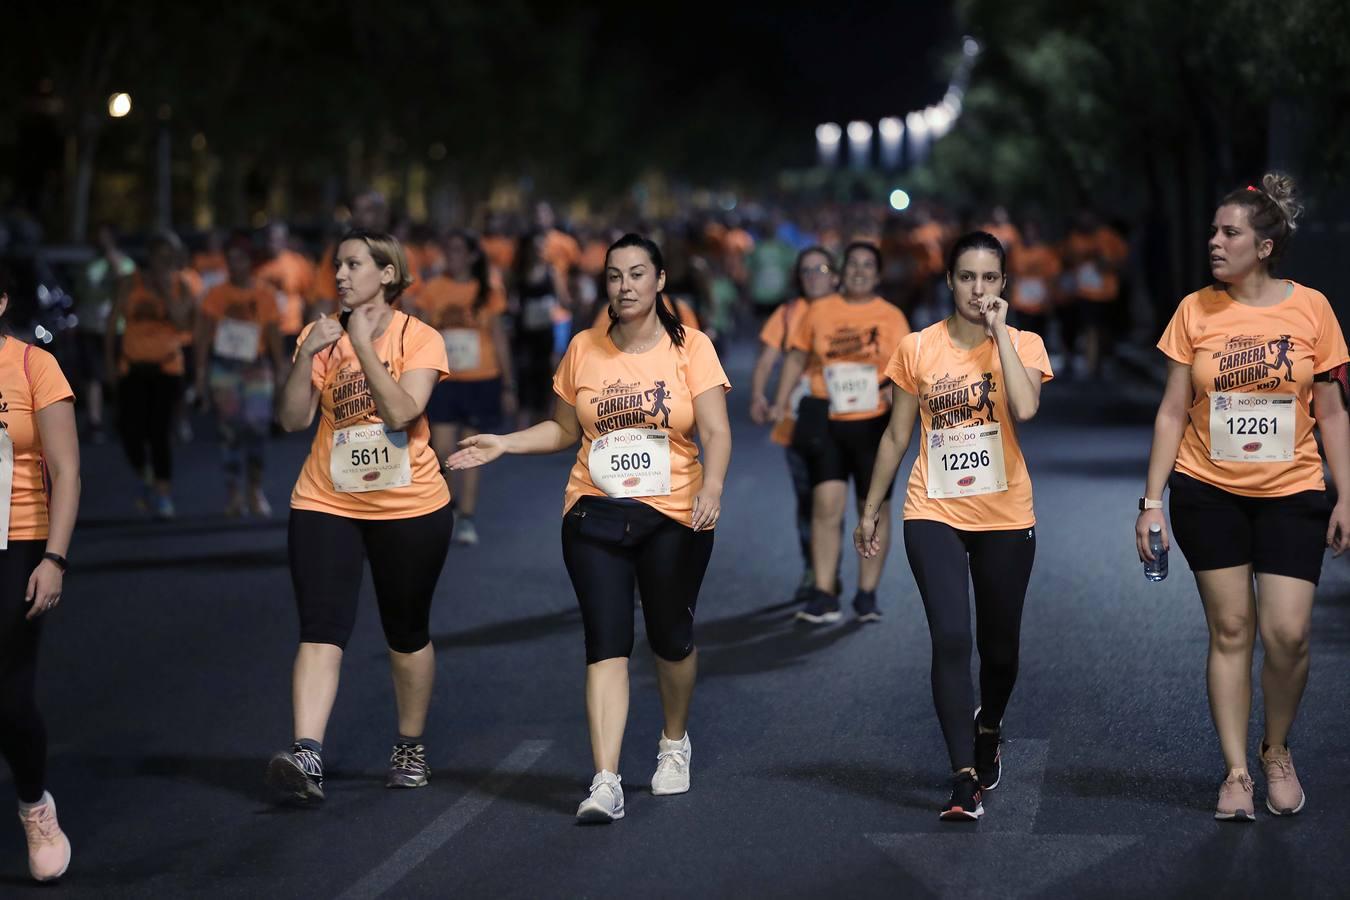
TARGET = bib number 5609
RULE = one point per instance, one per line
(630, 462)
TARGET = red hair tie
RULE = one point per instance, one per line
(1252, 188)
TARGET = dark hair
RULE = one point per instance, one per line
(862, 245)
(797, 267)
(479, 268)
(977, 240)
(385, 250)
(1272, 211)
(664, 311)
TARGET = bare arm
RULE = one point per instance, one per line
(793, 366)
(759, 382)
(1023, 385)
(559, 433)
(714, 433)
(299, 400)
(894, 444)
(61, 451)
(1333, 423)
(400, 402)
(1168, 428)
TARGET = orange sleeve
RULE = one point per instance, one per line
(1330, 350)
(901, 367)
(49, 382)
(425, 350)
(705, 369)
(564, 380)
(801, 336)
(1031, 351)
(1176, 341)
(771, 335)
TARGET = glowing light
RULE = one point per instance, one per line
(970, 47)
(829, 134)
(917, 124)
(859, 132)
(891, 128)
(119, 105)
(899, 200)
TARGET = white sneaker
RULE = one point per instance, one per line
(605, 804)
(465, 533)
(672, 766)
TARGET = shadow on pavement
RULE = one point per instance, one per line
(1114, 784)
(872, 782)
(548, 791)
(513, 631)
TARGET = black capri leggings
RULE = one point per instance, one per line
(945, 561)
(23, 737)
(608, 546)
(146, 401)
(406, 556)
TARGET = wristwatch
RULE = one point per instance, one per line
(1145, 503)
(58, 559)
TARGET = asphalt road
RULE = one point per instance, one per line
(818, 766)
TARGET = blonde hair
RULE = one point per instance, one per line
(385, 250)
(1272, 210)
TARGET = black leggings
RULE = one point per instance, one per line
(146, 402)
(406, 555)
(610, 545)
(23, 737)
(801, 489)
(945, 561)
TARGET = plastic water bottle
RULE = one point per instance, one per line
(1156, 570)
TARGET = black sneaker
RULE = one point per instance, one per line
(988, 759)
(296, 776)
(408, 766)
(821, 608)
(865, 606)
(964, 805)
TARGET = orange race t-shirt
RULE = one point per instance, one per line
(1035, 270)
(835, 332)
(1234, 348)
(775, 334)
(291, 275)
(151, 338)
(500, 251)
(345, 400)
(448, 306)
(962, 389)
(21, 396)
(243, 304)
(1094, 260)
(613, 391)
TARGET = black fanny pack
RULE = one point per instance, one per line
(611, 521)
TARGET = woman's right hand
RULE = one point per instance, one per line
(865, 535)
(326, 332)
(475, 451)
(759, 409)
(1147, 519)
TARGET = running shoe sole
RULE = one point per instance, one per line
(870, 617)
(666, 792)
(1239, 816)
(957, 814)
(50, 879)
(405, 780)
(821, 619)
(597, 815)
(290, 783)
(1302, 801)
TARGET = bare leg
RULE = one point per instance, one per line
(414, 675)
(827, 512)
(466, 491)
(607, 710)
(1286, 619)
(314, 684)
(1230, 610)
(675, 680)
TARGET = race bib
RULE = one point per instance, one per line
(1032, 292)
(536, 314)
(1089, 277)
(236, 340)
(6, 485)
(852, 387)
(1251, 428)
(369, 458)
(462, 348)
(964, 462)
(634, 462)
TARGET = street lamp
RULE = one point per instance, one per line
(828, 136)
(119, 105)
(859, 143)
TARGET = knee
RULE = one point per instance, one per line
(1230, 633)
(1287, 642)
(325, 633)
(672, 646)
(601, 650)
(828, 509)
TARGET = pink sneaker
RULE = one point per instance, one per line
(48, 847)
(1235, 799)
(1284, 795)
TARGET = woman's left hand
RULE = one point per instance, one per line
(1338, 529)
(995, 311)
(707, 509)
(44, 588)
(361, 324)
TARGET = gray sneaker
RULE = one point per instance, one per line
(605, 804)
(408, 766)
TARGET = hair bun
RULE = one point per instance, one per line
(1280, 188)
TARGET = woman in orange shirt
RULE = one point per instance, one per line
(968, 507)
(38, 448)
(640, 508)
(842, 344)
(372, 488)
(157, 307)
(541, 307)
(1249, 376)
(239, 356)
(466, 306)
(1035, 268)
(816, 278)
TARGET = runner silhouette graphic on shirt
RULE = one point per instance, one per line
(985, 387)
(873, 340)
(1282, 346)
(660, 405)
